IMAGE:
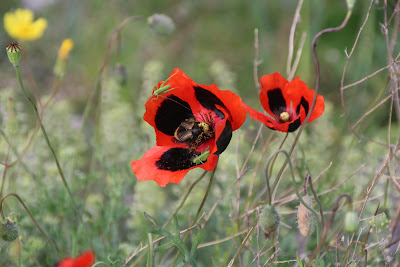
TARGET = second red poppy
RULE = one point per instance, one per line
(287, 103)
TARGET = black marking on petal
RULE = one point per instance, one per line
(305, 105)
(276, 101)
(224, 138)
(294, 125)
(209, 101)
(171, 113)
(176, 159)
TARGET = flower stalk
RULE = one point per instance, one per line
(60, 171)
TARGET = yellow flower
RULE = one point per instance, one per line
(65, 48)
(19, 24)
(61, 63)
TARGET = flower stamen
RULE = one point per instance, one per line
(284, 116)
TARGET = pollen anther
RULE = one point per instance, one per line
(284, 116)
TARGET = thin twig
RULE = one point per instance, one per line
(219, 241)
(137, 251)
(298, 55)
(185, 197)
(368, 76)
(296, 19)
(328, 225)
(256, 61)
(321, 211)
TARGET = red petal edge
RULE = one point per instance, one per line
(145, 169)
(86, 259)
(271, 82)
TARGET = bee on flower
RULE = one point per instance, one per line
(193, 124)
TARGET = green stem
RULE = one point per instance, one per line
(348, 250)
(150, 252)
(243, 242)
(184, 198)
(273, 163)
(51, 149)
(198, 212)
(298, 194)
(14, 150)
(327, 226)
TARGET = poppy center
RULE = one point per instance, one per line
(193, 133)
(284, 116)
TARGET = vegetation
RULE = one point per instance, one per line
(74, 122)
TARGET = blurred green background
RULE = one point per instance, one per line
(213, 43)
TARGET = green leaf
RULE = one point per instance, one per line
(298, 260)
(151, 220)
(164, 247)
(150, 251)
(196, 241)
(176, 226)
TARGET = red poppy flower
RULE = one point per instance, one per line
(287, 102)
(86, 259)
(190, 121)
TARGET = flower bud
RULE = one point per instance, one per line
(65, 48)
(351, 222)
(161, 24)
(350, 4)
(9, 231)
(305, 218)
(61, 63)
(14, 53)
(269, 219)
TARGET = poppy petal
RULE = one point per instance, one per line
(165, 111)
(259, 116)
(278, 96)
(168, 164)
(303, 96)
(223, 137)
(86, 259)
(289, 126)
(209, 96)
(273, 96)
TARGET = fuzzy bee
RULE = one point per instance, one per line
(193, 133)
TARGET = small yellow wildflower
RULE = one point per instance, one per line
(19, 24)
(65, 48)
(61, 63)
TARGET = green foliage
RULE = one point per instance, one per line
(95, 125)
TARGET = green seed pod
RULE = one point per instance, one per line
(9, 231)
(269, 219)
(161, 24)
(305, 218)
(14, 53)
(351, 222)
